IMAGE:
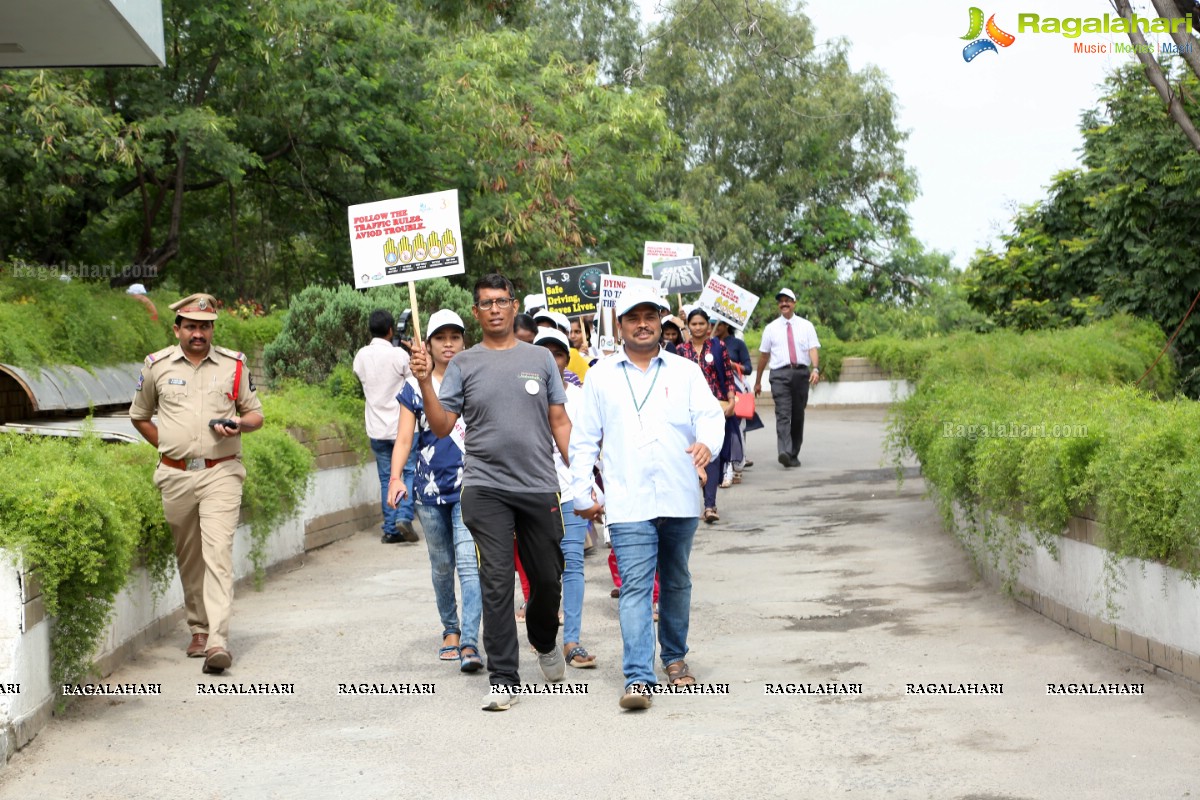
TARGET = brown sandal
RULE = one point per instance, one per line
(678, 674)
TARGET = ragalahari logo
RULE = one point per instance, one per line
(995, 36)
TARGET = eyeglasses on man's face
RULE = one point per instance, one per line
(500, 303)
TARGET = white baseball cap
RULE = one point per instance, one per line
(136, 288)
(534, 301)
(786, 293)
(556, 318)
(546, 336)
(442, 319)
(636, 297)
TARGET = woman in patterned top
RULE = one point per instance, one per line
(713, 359)
(436, 486)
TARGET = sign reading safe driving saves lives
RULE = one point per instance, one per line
(574, 291)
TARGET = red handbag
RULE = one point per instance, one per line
(743, 405)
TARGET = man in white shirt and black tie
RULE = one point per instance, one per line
(789, 346)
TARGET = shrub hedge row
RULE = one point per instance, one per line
(1032, 428)
(84, 513)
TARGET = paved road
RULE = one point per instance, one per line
(817, 575)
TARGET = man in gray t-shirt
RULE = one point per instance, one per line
(504, 398)
(511, 401)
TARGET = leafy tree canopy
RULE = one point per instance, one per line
(793, 161)
(1109, 237)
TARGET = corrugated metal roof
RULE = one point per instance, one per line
(71, 388)
(110, 429)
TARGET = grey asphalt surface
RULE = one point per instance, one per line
(826, 573)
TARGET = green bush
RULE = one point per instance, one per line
(1033, 428)
(336, 404)
(246, 335)
(82, 513)
(278, 469)
(326, 327)
(45, 322)
(1117, 350)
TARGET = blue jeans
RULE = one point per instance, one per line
(451, 547)
(664, 544)
(574, 532)
(383, 462)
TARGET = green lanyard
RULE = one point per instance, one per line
(636, 405)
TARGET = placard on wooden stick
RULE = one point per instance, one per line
(406, 239)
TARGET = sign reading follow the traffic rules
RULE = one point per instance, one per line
(653, 252)
(406, 239)
(727, 301)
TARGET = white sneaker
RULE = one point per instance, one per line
(553, 665)
(499, 699)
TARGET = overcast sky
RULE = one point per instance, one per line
(985, 137)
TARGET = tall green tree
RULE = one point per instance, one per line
(1180, 105)
(793, 161)
(236, 161)
(604, 33)
(556, 168)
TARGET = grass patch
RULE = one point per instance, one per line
(46, 322)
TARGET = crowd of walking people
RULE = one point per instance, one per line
(525, 451)
(513, 454)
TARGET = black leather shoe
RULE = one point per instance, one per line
(391, 538)
(785, 459)
(794, 462)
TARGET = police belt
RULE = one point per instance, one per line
(193, 463)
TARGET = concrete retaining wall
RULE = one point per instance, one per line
(860, 384)
(1155, 613)
(342, 498)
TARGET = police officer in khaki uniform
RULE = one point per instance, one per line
(199, 471)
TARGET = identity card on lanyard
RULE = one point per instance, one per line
(649, 422)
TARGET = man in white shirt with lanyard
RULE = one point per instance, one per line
(789, 345)
(660, 426)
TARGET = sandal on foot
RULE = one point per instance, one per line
(678, 674)
(521, 613)
(711, 515)
(449, 652)
(580, 658)
(471, 662)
